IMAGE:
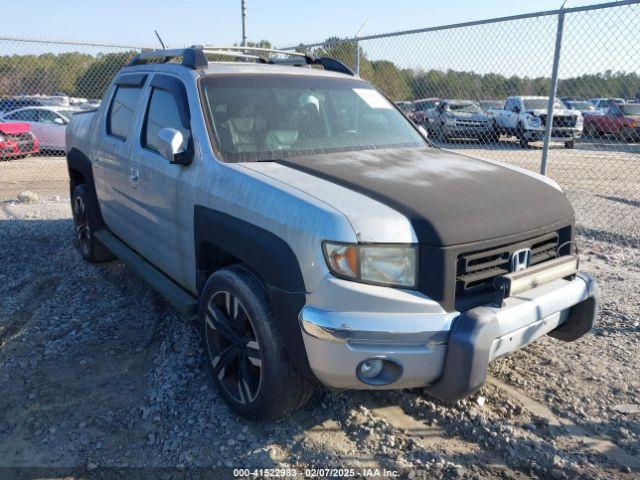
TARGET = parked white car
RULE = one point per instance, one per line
(526, 117)
(49, 124)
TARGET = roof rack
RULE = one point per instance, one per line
(196, 57)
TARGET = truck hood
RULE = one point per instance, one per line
(481, 117)
(557, 111)
(448, 198)
(14, 128)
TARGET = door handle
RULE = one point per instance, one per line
(134, 176)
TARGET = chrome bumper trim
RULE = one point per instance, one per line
(341, 327)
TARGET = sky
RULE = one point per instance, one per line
(283, 22)
(595, 41)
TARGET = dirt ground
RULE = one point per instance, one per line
(101, 378)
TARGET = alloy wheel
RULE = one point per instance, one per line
(233, 347)
(83, 232)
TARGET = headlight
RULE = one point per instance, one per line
(390, 265)
(534, 121)
(579, 120)
(2, 138)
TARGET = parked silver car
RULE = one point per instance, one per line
(315, 232)
(460, 119)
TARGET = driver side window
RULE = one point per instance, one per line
(161, 113)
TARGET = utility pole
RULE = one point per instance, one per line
(244, 22)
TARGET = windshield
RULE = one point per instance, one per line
(265, 117)
(582, 105)
(630, 108)
(540, 103)
(422, 106)
(489, 104)
(464, 108)
(405, 106)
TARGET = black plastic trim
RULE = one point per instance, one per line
(77, 161)
(131, 80)
(194, 58)
(271, 258)
(469, 347)
(582, 316)
(176, 88)
(333, 65)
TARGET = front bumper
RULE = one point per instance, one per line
(12, 148)
(449, 352)
(557, 133)
(469, 132)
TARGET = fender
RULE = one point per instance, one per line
(79, 162)
(271, 258)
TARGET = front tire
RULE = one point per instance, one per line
(86, 222)
(522, 138)
(569, 144)
(244, 348)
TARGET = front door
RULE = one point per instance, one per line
(159, 222)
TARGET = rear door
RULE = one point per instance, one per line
(158, 225)
(113, 173)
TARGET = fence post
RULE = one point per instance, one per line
(356, 60)
(552, 93)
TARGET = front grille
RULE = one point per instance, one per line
(25, 141)
(22, 137)
(560, 121)
(471, 123)
(476, 270)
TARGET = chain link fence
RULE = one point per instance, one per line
(483, 88)
(480, 88)
(42, 85)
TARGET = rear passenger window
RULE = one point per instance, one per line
(122, 111)
(162, 112)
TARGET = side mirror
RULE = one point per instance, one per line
(170, 145)
(59, 121)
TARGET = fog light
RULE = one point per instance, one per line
(371, 368)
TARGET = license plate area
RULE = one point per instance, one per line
(514, 283)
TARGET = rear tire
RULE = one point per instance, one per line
(569, 144)
(245, 349)
(86, 222)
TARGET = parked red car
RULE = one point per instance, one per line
(16, 140)
(620, 119)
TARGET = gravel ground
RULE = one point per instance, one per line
(98, 372)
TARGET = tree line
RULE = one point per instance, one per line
(85, 75)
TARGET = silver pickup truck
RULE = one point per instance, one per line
(315, 232)
(526, 118)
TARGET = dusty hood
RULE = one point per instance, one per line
(448, 198)
(14, 128)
